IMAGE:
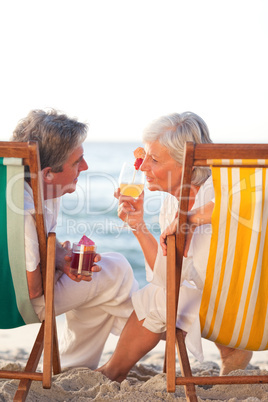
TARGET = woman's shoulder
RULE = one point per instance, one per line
(170, 202)
(205, 193)
(168, 211)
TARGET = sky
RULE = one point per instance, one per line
(119, 64)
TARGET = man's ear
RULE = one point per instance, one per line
(47, 175)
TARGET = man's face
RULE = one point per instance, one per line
(65, 182)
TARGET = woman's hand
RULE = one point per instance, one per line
(197, 217)
(172, 229)
(130, 209)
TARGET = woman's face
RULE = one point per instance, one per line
(162, 172)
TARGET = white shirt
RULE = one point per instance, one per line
(194, 266)
(51, 210)
(150, 301)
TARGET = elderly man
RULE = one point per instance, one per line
(94, 306)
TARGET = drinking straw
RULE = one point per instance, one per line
(133, 178)
(81, 256)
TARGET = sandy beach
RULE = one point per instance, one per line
(145, 382)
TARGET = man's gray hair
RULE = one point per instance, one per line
(173, 131)
(57, 136)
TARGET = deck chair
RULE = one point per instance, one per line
(16, 308)
(233, 310)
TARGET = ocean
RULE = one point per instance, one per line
(92, 208)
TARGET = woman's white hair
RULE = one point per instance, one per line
(173, 131)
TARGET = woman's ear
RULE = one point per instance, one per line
(47, 175)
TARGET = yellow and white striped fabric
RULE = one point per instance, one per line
(233, 309)
(237, 162)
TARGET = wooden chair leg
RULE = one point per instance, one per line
(185, 365)
(22, 391)
(56, 354)
(31, 366)
(171, 365)
(175, 336)
(165, 362)
(51, 354)
(171, 315)
(47, 336)
(47, 357)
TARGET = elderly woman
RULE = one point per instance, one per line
(164, 143)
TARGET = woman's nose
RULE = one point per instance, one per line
(144, 165)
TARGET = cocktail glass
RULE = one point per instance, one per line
(131, 183)
(82, 259)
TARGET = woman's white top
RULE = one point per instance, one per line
(150, 302)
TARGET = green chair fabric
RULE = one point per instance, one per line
(16, 308)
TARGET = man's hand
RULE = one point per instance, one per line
(79, 278)
(64, 258)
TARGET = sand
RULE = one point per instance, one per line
(145, 382)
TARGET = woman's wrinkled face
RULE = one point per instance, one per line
(162, 172)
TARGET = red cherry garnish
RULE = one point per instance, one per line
(137, 163)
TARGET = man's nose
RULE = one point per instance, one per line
(83, 165)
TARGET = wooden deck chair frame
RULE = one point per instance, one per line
(197, 155)
(46, 340)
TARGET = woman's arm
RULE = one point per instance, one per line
(148, 245)
(131, 211)
(197, 217)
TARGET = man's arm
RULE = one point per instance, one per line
(62, 250)
(34, 279)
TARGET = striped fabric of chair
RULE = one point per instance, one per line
(234, 304)
(233, 309)
(16, 308)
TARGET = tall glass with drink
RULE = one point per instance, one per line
(83, 255)
(131, 182)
